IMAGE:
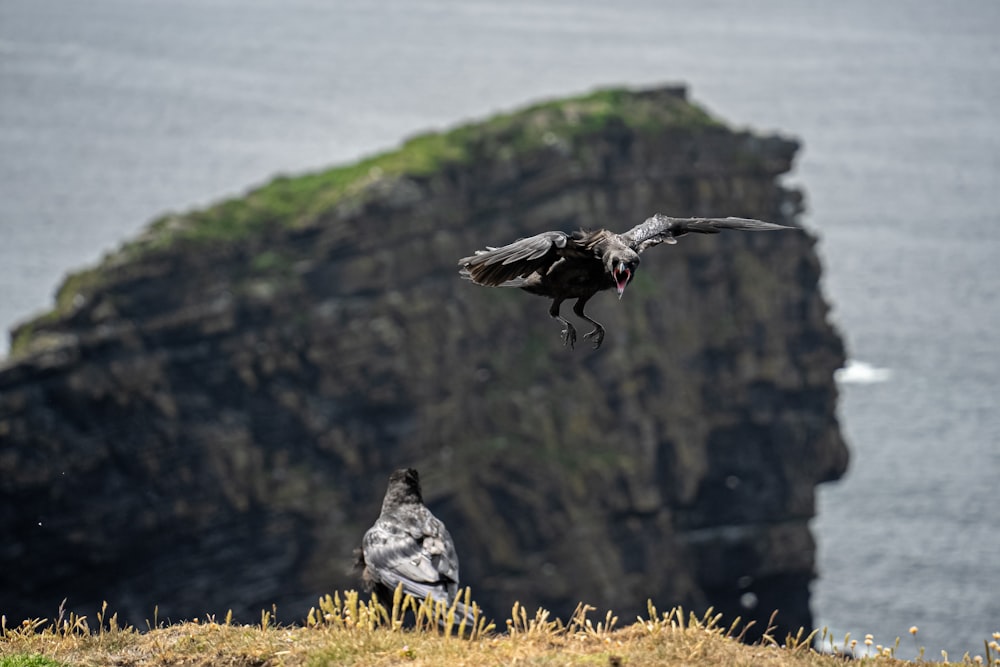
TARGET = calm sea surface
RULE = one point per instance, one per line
(114, 111)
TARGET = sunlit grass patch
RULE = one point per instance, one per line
(345, 628)
(34, 660)
(321, 198)
(350, 612)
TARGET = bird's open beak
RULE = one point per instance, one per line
(622, 276)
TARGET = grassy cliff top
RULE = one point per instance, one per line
(297, 201)
(349, 631)
(300, 201)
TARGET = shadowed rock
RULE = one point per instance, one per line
(196, 424)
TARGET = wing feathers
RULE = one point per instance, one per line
(664, 229)
(517, 260)
(417, 552)
(415, 549)
(510, 265)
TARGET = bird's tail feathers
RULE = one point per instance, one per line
(461, 611)
(420, 592)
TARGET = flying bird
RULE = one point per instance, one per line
(564, 266)
(410, 546)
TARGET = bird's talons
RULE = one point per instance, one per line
(598, 336)
(569, 336)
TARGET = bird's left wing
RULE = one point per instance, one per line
(496, 266)
(418, 553)
(664, 229)
(392, 548)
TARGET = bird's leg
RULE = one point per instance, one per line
(598, 332)
(568, 332)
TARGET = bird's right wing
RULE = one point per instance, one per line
(394, 555)
(417, 551)
(664, 229)
(495, 266)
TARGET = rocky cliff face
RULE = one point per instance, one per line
(206, 421)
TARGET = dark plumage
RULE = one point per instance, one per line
(409, 545)
(577, 266)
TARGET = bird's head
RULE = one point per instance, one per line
(404, 487)
(623, 268)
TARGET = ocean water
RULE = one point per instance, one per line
(115, 111)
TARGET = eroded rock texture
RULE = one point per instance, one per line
(208, 419)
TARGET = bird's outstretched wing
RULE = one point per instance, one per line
(664, 229)
(418, 552)
(495, 266)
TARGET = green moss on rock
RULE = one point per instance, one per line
(294, 201)
(300, 201)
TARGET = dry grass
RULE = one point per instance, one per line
(344, 630)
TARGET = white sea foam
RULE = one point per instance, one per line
(861, 372)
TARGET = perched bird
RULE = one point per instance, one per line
(409, 545)
(579, 265)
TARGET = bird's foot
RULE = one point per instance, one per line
(569, 336)
(598, 336)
